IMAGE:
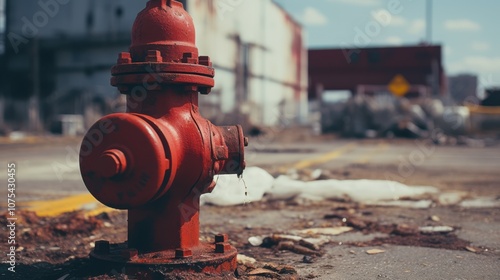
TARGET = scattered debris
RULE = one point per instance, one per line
(437, 229)
(374, 251)
(263, 272)
(324, 231)
(310, 245)
(419, 204)
(285, 237)
(309, 259)
(245, 260)
(255, 240)
(451, 198)
(481, 202)
(434, 218)
(471, 249)
(298, 249)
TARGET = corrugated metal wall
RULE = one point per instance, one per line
(260, 59)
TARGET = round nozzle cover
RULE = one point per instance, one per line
(124, 161)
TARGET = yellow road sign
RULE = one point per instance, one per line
(399, 86)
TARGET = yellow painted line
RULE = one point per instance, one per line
(50, 208)
(320, 159)
(487, 110)
(379, 149)
(25, 140)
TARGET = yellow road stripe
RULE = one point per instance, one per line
(52, 208)
(487, 110)
(321, 159)
(380, 148)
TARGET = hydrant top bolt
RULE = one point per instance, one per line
(183, 253)
(101, 247)
(205, 60)
(205, 90)
(245, 141)
(154, 56)
(111, 163)
(222, 247)
(219, 238)
(189, 58)
(124, 58)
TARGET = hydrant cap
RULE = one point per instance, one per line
(163, 25)
(124, 162)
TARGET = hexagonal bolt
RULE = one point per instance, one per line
(154, 56)
(205, 90)
(222, 247)
(245, 141)
(205, 60)
(124, 58)
(220, 238)
(130, 253)
(101, 247)
(189, 58)
(183, 253)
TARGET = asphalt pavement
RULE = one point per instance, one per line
(49, 182)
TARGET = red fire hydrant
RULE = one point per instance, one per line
(159, 157)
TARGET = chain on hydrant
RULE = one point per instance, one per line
(159, 157)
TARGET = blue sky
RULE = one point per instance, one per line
(469, 30)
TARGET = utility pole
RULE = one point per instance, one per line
(429, 22)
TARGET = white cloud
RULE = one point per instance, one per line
(461, 25)
(394, 40)
(312, 16)
(480, 46)
(417, 27)
(358, 2)
(478, 64)
(448, 50)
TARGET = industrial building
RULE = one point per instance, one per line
(414, 70)
(59, 54)
(382, 91)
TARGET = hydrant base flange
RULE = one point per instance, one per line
(204, 259)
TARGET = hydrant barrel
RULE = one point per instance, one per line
(159, 157)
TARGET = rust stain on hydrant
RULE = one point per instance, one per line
(159, 157)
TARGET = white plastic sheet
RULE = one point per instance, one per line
(230, 190)
(366, 191)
